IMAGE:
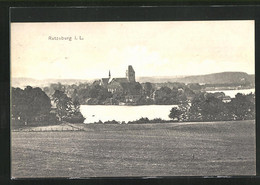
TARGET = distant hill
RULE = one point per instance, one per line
(23, 82)
(215, 78)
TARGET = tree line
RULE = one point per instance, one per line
(148, 93)
(58, 103)
(33, 106)
(207, 107)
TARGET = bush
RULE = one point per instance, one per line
(111, 122)
(158, 120)
(141, 120)
(99, 122)
(77, 118)
(53, 118)
(146, 120)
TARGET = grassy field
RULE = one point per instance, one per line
(166, 149)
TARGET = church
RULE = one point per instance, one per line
(127, 85)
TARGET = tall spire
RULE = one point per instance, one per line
(109, 74)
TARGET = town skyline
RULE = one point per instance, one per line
(90, 50)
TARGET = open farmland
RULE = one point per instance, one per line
(166, 149)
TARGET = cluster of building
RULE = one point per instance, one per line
(126, 86)
(131, 90)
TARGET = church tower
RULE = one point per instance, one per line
(130, 74)
(109, 75)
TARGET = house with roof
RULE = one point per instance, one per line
(126, 85)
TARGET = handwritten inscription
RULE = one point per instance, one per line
(66, 38)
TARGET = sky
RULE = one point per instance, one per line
(152, 48)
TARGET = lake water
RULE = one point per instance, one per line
(232, 93)
(94, 113)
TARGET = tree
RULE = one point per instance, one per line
(181, 113)
(99, 93)
(207, 107)
(212, 109)
(175, 113)
(163, 96)
(194, 86)
(137, 89)
(30, 104)
(75, 96)
(242, 107)
(103, 94)
(63, 104)
(132, 88)
(118, 96)
(19, 104)
(83, 95)
(147, 88)
(75, 101)
(67, 109)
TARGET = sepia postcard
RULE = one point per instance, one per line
(133, 99)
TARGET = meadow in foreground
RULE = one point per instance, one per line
(166, 149)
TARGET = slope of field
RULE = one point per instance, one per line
(172, 149)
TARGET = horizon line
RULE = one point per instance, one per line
(174, 76)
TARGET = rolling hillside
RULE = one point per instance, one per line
(215, 78)
(23, 82)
